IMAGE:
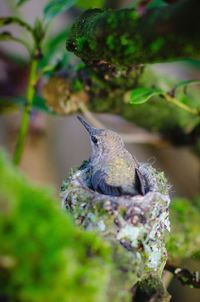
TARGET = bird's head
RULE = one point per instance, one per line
(103, 141)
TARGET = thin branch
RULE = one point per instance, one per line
(91, 118)
(137, 138)
(176, 102)
(144, 138)
(186, 277)
(167, 278)
(122, 37)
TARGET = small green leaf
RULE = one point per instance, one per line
(38, 30)
(55, 7)
(6, 21)
(54, 50)
(90, 4)
(142, 95)
(40, 104)
(186, 83)
(156, 4)
(9, 104)
(6, 106)
(14, 20)
(21, 2)
(5, 36)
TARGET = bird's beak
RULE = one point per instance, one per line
(87, 126)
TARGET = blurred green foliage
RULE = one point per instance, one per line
(41, 249)
(184, 239)
(55, 7)
(90, 4)
(43, 256)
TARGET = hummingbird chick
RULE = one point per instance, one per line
(113, 170)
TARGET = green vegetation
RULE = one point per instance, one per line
(184, 238)
(43, 256)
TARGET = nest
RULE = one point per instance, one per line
(135, 226)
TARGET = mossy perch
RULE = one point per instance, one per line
(117, 39)
(122, 37)
(105, 89)
(134, 226)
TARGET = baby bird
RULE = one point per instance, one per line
(113, 170)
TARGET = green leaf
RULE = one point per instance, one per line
(90, 4)
(9, 104)
(21, 2)
(14, 20)
(183, 240)
(7, 36)
(156, 4)
(187, 83)
(142, 95)
(38, 31)
(55, 7)
(38, 239)
(54, 51)
(40, 104)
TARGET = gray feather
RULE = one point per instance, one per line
(99, 184)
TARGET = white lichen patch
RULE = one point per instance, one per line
(129, 232)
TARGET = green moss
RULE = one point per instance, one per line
(110, 41)
(80, 43)
(184, 240)
(156, 45)
(43, 256)
(121, 37)
(112, 21)
(77, 85)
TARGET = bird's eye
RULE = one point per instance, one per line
(94, 139)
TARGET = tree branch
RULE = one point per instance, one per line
(137, 138)
(124, 38)
(106, 89)
(184, 275)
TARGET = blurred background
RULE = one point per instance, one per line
(55, 144)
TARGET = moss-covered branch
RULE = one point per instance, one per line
(105, 88)
(122, 37)
(135, 227)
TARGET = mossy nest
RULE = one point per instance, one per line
(135, 226)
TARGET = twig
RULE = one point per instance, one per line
(91, 118)
(184, 275)
(138, 138)
(144, 138)
(176, 102)
(167, 278)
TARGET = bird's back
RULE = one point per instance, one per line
(117, 171)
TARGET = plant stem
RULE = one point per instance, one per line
(26, 114)
(176, 102)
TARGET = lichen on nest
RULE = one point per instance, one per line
(135, 226)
